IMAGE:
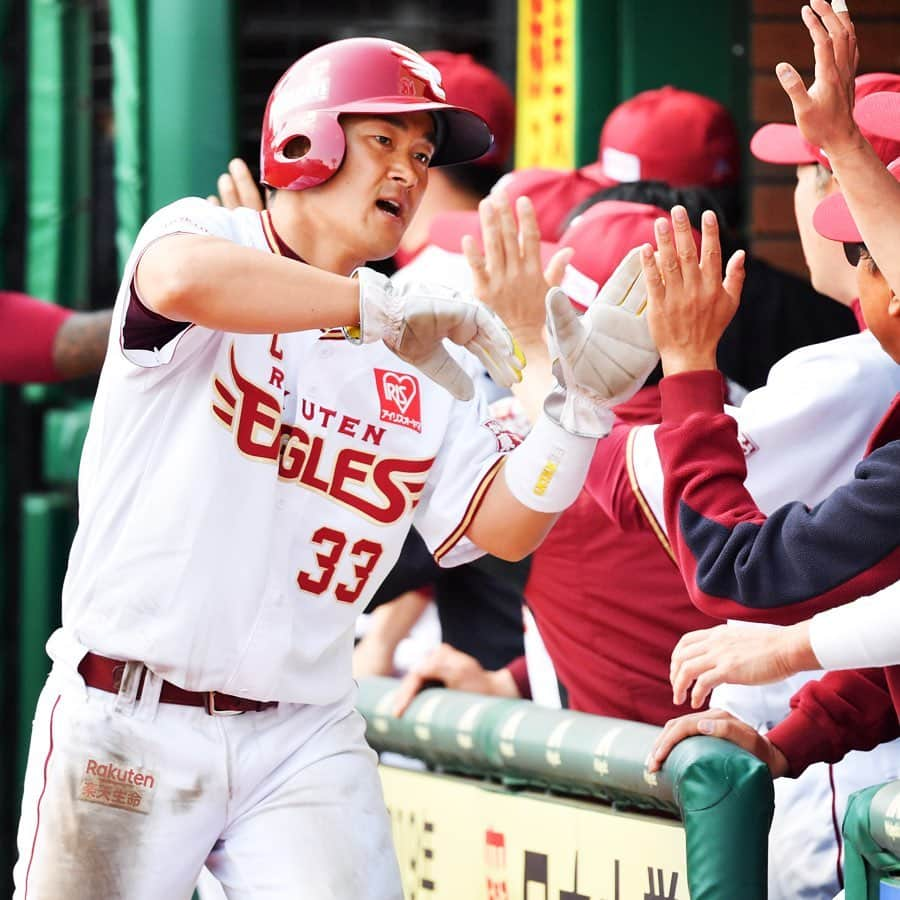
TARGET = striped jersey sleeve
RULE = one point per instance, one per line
(739, 563)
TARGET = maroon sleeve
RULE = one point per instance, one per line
(844, 711)
(739, 563)
(28, 328)
(519, 671)
(609, 482)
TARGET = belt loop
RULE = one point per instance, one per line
(129, 686)
(149, 699)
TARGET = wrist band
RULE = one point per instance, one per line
(547, 470)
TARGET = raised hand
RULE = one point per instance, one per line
(602, 358)
(508, 275)
(236, 188)
(824, 112)
(689, 303)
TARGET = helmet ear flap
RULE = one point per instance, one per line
(311, 152)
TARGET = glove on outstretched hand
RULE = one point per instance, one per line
(602, 358)
(413, 320)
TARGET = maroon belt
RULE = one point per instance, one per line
(106, 675)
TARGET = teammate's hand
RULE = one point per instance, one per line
(457, 671)
(601, 358)
(236, 188)
(735, 654)
(508, 276)
(720, 724)
(824, 113)
(690, 305)
(413, 320)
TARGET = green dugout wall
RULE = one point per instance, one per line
(577, 59)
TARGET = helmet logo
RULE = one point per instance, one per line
(419, 68)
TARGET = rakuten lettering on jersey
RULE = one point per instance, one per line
(399, 396)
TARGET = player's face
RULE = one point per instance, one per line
(825, 260)
(880, 306)
(376, 192)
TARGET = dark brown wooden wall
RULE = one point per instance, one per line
(777, 35)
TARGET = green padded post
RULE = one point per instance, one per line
(723, 794)
(596, 73)
(48, 524)
(127, 41)
(190, 90)
(871, 840)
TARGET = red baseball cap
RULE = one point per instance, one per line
(448, 229)
(474, 86)
(833, 220)
(879, 113)
(600, 238)
(554, 193)
(669, 135)
(783, 144)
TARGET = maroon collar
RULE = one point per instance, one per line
(277, 244)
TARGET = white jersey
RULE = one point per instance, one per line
(803, 432)
(241, 497)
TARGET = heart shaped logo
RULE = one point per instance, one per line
(398, 393)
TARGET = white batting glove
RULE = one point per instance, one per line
(602, 358)
(414, 319)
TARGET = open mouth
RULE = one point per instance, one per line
(390, 207)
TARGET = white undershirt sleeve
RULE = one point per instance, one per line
(859, 635)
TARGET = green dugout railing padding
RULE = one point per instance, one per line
(722, 794)
(872, 843)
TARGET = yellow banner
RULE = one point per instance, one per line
(545, 84)
(459, 839)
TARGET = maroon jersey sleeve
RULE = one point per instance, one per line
(28, 328)
(739, 563)
(844, 711)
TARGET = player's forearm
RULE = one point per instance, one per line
(80, 344)
(873, 196)
(220, 285)
(537, 377)
(506, 528)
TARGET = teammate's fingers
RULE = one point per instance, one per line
(477, 263)
(212, 198)
(823, 46)
(668, 258)
(703, 686)
(509, 232)
(656, 289)
(247, 192)
(684, 672)
(735, 273)
(556, 267)
(710, 249)
(792, 84)
(529, 234)
(834, 26)
(676, 730)
(410, 686)
(494, 252)
(685, 248)
(227, 191)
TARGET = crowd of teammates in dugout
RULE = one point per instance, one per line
(700, 521)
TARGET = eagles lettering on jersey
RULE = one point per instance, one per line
(381, 488)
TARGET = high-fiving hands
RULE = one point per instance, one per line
(690, 305)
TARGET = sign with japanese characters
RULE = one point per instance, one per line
(546, 84)
(458, 838)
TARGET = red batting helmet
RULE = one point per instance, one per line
(357, 75)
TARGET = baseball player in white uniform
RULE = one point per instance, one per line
(265, 432)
